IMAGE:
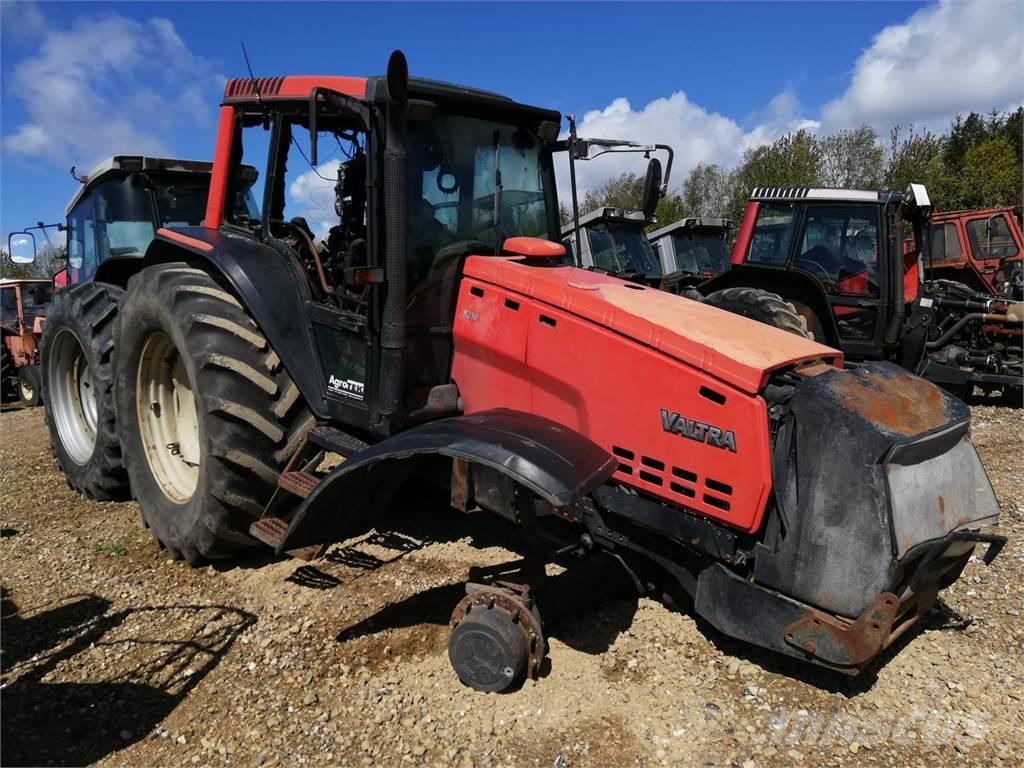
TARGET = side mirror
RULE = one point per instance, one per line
(22, 247)
(652, 188)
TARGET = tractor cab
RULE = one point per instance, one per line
(832, 254)
(695, 248)
(613, 241)
(981, 249)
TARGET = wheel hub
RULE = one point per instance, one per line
(495, 637)
(168, 422)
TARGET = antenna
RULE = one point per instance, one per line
(255, 83)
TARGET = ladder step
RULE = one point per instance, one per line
(299, 484)
(336, 441)
(269, 530)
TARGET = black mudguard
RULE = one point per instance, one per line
(271, 286)
(795, 285)
(558, 465)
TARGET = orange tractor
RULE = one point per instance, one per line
(801, 506)
(23, 305)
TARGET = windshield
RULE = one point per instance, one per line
(35, 298)
(700, 253)
(452, 182)
(620, 248)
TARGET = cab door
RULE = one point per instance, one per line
(840, 244)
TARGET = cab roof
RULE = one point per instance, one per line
(606, 213)
(824, 193)
(690, 223)
(120, 164)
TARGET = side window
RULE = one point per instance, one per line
(840, 247)
(247, 186)
(602, 248)
(8, 306)
(82, 240)
(991, 238)
(945, 245)
(124, 217)
(773, 234)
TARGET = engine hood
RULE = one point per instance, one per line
(732, 348)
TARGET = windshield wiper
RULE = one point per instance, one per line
(497, 193)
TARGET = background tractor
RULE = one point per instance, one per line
(439, 334)
(23, 308)
(983, 250)
(838, 257)
(696, 248)
(111, 220)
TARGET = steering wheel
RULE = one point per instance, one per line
(812, 266)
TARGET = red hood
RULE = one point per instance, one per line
(732, 348)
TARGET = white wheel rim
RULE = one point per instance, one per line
(72, 397)
(168, 423)
(26, 390)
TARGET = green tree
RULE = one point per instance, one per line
(919, 158)
(623, 191)
(707, 191)
(851, 159)
(991, 175)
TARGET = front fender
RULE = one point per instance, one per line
(557, 464)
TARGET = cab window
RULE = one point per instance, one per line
(82, 240)
(945, 244)
(840, 248)
(773, 234)
(9, 306)
(124, 217)
(991, 238)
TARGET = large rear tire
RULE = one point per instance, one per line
(763, 306)
(208, 415)
(78, 389)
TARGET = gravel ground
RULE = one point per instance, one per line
(113, 654)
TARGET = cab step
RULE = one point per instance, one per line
(336, 441)
(298, 483)
(271, 531)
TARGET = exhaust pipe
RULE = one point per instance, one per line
(395, 171)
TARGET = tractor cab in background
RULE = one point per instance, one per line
(838, 257)
(695, 249)
(613, 241)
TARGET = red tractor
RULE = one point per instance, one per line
(982, 250)
(837, 258)
(23, 306)
(803, 507)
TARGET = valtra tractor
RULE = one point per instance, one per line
(838, 258)
(805, 508)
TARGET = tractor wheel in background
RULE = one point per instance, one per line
(78, 389)
(29, 389)
(763, 306)
(208, 415)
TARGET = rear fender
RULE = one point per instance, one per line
(556, 464)
(271, 286)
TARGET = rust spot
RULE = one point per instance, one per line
(942, 505)
(898, 402)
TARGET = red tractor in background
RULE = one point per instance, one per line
(839, 258)
(23, 307)
(982, 249)
(439, 334)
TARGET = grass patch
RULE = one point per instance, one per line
(113, 548)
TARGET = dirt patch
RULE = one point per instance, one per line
(115, 655)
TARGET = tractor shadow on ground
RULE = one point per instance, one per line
(156, 655)
(940, 618)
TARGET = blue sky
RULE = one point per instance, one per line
(84, 80)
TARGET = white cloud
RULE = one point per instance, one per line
(311, 195)
(695, 134)
(109, 84)
(945, 59)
